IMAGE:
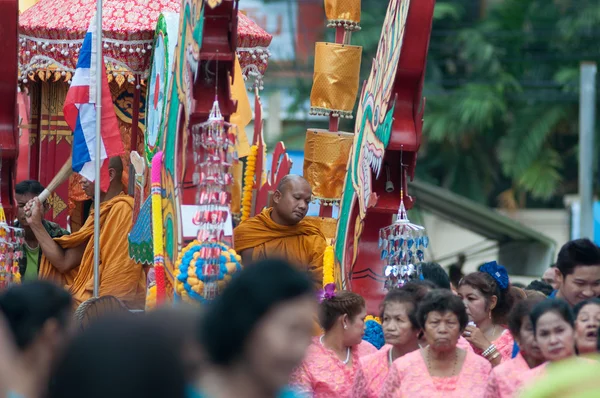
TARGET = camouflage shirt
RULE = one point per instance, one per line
(53, 229)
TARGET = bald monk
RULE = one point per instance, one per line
(282, 231)
(69, 260)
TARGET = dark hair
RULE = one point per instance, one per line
(521, 309)
(402, 297)
(558, 306)
(579, 306)
(29, 306)
(418, 289)
(435, 273)
(29, 187)
(540, 286)
(488, 286)
(518, 284)
(344, 302)
(120, 357)
(231, 318)
(442, 301)
(578, 252)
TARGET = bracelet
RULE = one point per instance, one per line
(496, 355)
(488, 350)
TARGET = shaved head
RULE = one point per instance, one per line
(291, 200)
(117, 164)
(285, 182)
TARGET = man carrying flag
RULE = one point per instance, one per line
(70, 260)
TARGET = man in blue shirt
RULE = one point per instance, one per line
(578, 271)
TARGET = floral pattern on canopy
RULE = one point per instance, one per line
(52, 31)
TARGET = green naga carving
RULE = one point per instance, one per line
(179, 105)
(371, 135)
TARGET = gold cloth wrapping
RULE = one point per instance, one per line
(325, 161)
(335, 80)
(327, 225)
(344, 13)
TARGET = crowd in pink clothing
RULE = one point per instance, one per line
(482, 338)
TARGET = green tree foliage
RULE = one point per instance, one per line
(502, 97)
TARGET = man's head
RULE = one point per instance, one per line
(115, 174)
(38, 315)
(24, 192)
(549, 277)
(291, 200)
(578, 271)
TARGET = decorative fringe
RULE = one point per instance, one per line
(249, 183)
(348, 25)
(330, 112)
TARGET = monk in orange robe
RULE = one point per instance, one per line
(282, 230)
(69, 260)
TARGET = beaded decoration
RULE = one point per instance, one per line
(402, 246)
(190, 279)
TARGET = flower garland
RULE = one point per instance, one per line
(328, 266)
(151, 298)
(373, 318)
(189, 280)
(249, 183)
(157, 228)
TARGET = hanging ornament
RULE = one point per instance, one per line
(213, 158)
(402, 246)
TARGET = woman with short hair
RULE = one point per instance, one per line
(587, 321)
(401, 333)
(441, 367)
(332, 360)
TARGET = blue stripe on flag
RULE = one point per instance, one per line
(81, 154)
(85, 53)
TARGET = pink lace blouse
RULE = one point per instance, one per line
(371, 376)
(504, 344)
(409, 377)
(507, 378)
(323, 375)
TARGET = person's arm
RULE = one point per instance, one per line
(247, 256)
(63, 260)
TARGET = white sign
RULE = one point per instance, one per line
(280, 19)
(190, 230)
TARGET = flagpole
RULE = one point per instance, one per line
(99, 66)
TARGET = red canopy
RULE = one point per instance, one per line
(51, 33)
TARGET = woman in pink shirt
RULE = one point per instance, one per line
(587, 321)
(508, 377)
(488, 298)
(332, 360)
(400, 330)
(441, 369)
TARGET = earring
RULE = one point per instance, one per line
(490, 314)
(345, 327)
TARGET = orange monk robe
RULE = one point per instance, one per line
(302, 244)
(119, 275)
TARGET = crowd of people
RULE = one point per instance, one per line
(446, 334)
(481, 337)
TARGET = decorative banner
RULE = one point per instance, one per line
(372, 130)
(344, 13)
(335, 80)
(161, 74)
(325, 160)
(179, 104)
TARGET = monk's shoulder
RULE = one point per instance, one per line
(250, 224)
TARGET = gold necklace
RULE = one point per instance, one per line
(428, 361)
